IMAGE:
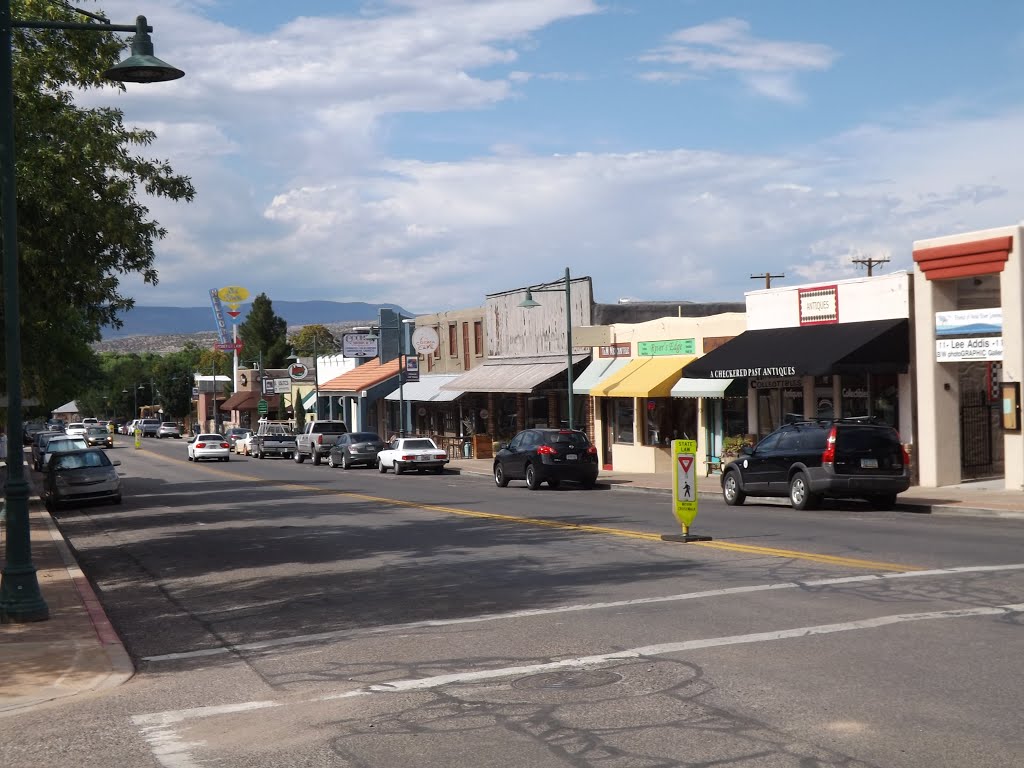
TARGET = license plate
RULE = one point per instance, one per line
(571, 457)
(422, 458)
(869, 463)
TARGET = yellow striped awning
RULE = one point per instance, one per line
(643, 377)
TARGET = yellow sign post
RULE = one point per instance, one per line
(684, 488)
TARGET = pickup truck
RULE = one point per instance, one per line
(273, 438)
(317, 439)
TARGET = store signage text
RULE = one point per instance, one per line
(777, 383)
(754, 373)
(975, 348)
(969, 322)
(615, 350)
(819, 305)
(666, 347)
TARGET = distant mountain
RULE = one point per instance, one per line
(162, 321)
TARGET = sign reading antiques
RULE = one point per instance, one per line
(819, 305)
(666, 347)
(358, 345)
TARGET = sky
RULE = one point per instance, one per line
(429, 152)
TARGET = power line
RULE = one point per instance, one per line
(870, 263)
(767, 277)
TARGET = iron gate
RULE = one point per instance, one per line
(976, 433)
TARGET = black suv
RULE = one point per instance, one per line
(547, 455)
(809, 460)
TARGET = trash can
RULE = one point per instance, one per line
(467, 449)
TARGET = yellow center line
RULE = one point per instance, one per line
(750, 549)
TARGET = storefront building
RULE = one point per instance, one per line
(969, 337)
(358, 395)
(639, 405)
(832, 350)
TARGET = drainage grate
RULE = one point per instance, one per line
(564, 681)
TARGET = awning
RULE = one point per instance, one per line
(643, 377)
(362, 377)
(701, 387)
(246, 401)
(309, 401)
(427, 389)
(511, 375)
(600, 368)
(875, 346)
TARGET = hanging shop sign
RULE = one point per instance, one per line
(297, 371)
(624, 349)
(425, 340)
(359, 345)
(282, 386)
(666, 347)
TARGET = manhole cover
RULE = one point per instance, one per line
(564, 681)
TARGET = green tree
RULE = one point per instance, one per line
(263, 331)
(312, 338)
(81, 222)
(299, 410)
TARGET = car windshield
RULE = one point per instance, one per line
(418, 444)
(211, 438)
(96, 431)
(169, 424)
(65, 445)
(81, 460)
(364, 437)
(329, 429)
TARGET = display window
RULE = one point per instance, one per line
(624, 420)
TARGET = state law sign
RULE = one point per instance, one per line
(684, 485)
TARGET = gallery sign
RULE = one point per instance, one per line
(975, 348)
(819, 305)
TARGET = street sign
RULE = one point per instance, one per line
(684, 485)
(358, 345)
(412, 369)
(262, 407)
(425, 340)
(282, 386)
(268, 387)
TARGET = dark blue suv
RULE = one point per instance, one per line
(810, 460)
(547, 456)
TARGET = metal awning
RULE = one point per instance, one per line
(512, 374)
(700, 387)
(598, 369)
(427, 389)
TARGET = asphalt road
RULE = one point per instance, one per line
(292, 615)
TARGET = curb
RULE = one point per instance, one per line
(906, 506)
(121, 665)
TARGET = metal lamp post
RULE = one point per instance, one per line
(20, 598)
(529, 303)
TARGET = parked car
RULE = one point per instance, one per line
(60, 444)
(208, 446)
(149, 427)
(547, 456)
(90, 421)
(129, 428)
(273, 438)
(81, 475)
(98, 436)
(234, 433)
(30, 430)
(76, 428)
(317, 438)
(355, 448)
(168, 429)
(56, 425)
(808, 461)
(39, 441)
(243, 444)
(412, 453)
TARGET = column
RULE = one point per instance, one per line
(1011, 295)
(520, 410)
(553, 410)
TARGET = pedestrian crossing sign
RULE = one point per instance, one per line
(684, 485)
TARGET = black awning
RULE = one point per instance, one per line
(875, 346)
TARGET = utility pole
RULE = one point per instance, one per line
(870, 263)
(767, 277)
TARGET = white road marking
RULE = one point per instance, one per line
(344, 633)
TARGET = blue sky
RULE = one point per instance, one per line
(427, 152)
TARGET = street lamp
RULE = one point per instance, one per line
(529, 303)
(20, 598)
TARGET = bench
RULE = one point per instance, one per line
(712, 465)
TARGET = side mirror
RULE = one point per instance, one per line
(746, 450)
(116, 462)
(502, 446)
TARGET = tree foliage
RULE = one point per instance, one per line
(314, 339)
(82, 224)
(299, 410)
(264, 332)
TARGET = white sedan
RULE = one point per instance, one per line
(243, 444)
(209, 446)
(411, 453)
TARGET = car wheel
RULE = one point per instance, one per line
(800, 495)
(316, 459)
(330, 461)
(345, 463)
(381, 468)
(734, 495)
(189, 458)
(554, 482)
(882, 501)
(499, 476)
(532, 479)
(398, 468)
(299, 457)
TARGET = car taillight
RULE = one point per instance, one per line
(546, 450)
(592, 450)
(200, 445)
(224, 445)
(408, 457)
(319, 439)
(828, 456)
(440, 455)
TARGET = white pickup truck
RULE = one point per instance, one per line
(273, 438)
(316, 440)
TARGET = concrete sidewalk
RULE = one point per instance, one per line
(985, 498)
(76, 650)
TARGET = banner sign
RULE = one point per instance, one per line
(666, 347)
(412, 369)
(969, 322)
(358, 345)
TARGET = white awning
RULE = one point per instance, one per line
(427, 389)
(598, 369)
(309, 401)
(510, 375)
(700, 387)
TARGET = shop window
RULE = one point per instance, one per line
(624, 416)
(478, 338)
(885, 399)
(856, 395)
(437, 349)
(453, 340)
(656, 429)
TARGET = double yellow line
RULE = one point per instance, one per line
(749, 549)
